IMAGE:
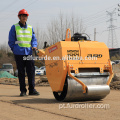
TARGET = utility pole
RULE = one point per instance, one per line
(94, 34)
(112, 41)
(118, 9)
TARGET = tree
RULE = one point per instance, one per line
(41, 37)
(57, 27)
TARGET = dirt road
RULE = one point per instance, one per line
(45, 107)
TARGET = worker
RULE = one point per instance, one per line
(21, 41)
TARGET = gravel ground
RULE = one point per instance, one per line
(45, 107)
(13, 107)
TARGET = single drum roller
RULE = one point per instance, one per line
(78, 69)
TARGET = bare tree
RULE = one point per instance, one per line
(4, 47)
(41, 37)
(57, 27)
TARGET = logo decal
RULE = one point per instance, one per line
(95, 55)
(53, 49)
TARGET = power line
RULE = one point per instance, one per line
(8, 6)
(96, 18)
(9, 15)
(97, 14)
(30, 3)
(95, 21)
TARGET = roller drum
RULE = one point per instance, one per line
(72, 91)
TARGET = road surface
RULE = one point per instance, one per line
(45, 107)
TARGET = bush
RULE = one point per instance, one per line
(0, 55)
(10, 54)
(116, 57)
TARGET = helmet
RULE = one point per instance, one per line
(23, 11)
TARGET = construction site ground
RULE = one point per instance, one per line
(44, 106)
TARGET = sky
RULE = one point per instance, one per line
(41, 12)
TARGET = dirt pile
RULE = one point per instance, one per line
(9, 81)
(115, 83)
(42, 80)
(39, 81)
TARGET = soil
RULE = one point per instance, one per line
(42, 80)
(45, 107)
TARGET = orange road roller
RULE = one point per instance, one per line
(78, 69)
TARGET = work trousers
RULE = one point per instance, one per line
(28, 67)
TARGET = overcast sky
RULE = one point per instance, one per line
(93, 13)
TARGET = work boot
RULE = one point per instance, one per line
(34, 93)
(23, 94)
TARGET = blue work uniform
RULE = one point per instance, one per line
(23, 65)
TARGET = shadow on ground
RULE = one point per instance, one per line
(31, 100)
(49, 101)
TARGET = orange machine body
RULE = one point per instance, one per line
(66, 57)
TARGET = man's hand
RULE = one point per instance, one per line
(34, 48)
(34, 51)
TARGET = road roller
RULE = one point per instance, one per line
(77, 68)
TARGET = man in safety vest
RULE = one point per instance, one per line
(21, 41)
